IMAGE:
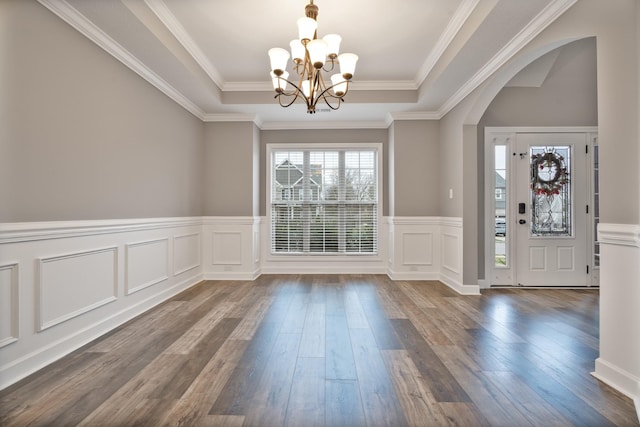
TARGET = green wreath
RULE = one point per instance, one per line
(555, 167)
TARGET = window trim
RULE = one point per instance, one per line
(270, 148)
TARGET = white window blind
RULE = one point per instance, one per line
(324, 201)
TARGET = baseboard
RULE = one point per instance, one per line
(412, 275)
(311, 269)
(36, 360)
(459, 287)
(619, 379)
(232, 275)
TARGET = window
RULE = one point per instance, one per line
(336, 211)
(500, 205)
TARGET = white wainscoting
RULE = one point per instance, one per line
(230, 248)
(63, 284)
(9, 304)
(427, 248)
(452, 257)
(414, 249)
(619, 361)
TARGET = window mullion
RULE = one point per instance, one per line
(306, 209)
(341, 202)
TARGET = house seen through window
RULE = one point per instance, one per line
(324, 201)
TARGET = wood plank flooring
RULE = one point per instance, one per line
(347, 350)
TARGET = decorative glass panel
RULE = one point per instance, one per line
(500, 205)
(550, 191)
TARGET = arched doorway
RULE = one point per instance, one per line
(555, 86)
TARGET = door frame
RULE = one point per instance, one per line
(507, 276)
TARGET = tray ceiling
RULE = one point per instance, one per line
(418, 58)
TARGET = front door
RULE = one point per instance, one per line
(539, 187)
(551, 245)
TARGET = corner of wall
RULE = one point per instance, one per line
(619, 361)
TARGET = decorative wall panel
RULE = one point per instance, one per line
(227, 248)
(451, 252)
(186, 253)
(147, 264)
(73, 284)
(9, 304)
(417, 248)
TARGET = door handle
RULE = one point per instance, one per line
(522, 221)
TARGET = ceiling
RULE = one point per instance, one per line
(418, 58)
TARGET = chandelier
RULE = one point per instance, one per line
(311, 57)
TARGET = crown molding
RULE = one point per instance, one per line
(324, 125)
(414, 115)
(363, 85)
(261, 86)
(236, 117)
(355, 85)
(162, 11)
(230, 117)
(453, 27)
(549, 14)
(71, 16)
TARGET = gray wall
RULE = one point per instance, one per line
(82, 136)
(230, 150)
(415, 184)
(322, 136)
(229, 171)
(568, 96)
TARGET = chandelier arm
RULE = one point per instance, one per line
(326, 101)
(291, 93)
(326, 92)
(285, 105)
(297, 93)
(333, 66)
(325, 95)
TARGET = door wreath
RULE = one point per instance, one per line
(548, 173)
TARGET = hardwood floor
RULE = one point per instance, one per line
(348, 350)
